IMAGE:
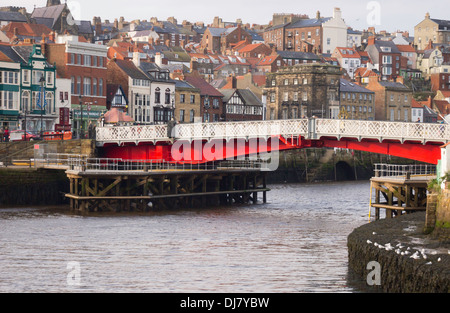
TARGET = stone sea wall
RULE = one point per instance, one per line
(410, 261)
(28, 186)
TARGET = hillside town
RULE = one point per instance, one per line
(62, 75)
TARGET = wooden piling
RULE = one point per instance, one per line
(402, 195)
(115, 191)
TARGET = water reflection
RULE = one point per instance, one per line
(295, 243)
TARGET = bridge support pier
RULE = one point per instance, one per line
(140, 191)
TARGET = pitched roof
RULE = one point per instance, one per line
(386, 43)
(111, 91)
(7, 50)
(268, 60)
(25, 29)
(85, 27)
(298, 55)
(347, 86)
(12, 17)
(309, 22)
(442, 106)
(247, 96)
(392, 85)
(364, 72)
(130, 69)
(205, 88)
(442, 23)
(416, 104)
(406, 48)
(348, 53)
(445, 93)
(217, 32)
(259, 80)
(53, 12)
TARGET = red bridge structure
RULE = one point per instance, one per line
(205, 142)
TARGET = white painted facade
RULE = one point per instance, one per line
(334, 32)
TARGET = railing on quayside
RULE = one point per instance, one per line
(61, 160)
(412, 170)
(112, 165)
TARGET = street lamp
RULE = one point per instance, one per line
(42, 83)
(172, 96)
(81, 117)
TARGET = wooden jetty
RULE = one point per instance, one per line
(142, 191)
(399, 195)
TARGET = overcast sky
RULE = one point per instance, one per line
(387, 15)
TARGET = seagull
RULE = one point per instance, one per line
(374, 233)
(415, 256)
(369, 242)
(439, 260)
(429, 263)
(398, 251)
(388, 247)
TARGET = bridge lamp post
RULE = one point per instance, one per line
(81, 118)
(42, 83)
(172, 98)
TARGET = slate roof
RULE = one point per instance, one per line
(277, 26)
(217, 32)
(442, 23)
(85, 27)
(12, 17)
(390, 44)
(309, 22)
(393, 85)
(247, 96)
(52, 12)
(298, 55)
(131, 70)
(10, 53)
(347, 86)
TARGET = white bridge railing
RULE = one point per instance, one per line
(307, 128)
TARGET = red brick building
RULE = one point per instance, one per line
(211, 103)
(85, 65)
(440, 81)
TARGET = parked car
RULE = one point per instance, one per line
(19, 135)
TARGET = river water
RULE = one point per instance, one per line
(297, 242)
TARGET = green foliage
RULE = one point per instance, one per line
(434, 185)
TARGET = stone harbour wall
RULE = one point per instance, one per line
(29, 186)
(410, 261)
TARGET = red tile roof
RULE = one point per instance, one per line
(364, 72)
(268, 60)
(348, 53)
(446, 94)
(205, 88)
(406, 48)
(443, 106)
(25, 29)
(259, 80)
(416, 104)
(250, 47)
